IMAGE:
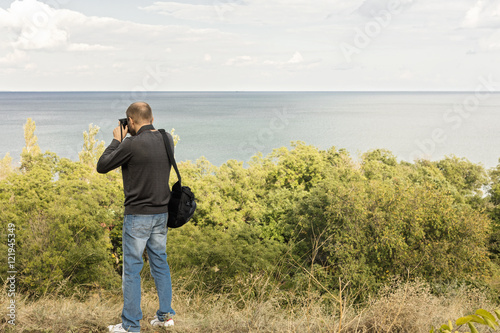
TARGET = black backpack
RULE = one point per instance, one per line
(182, 203)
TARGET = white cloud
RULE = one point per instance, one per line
(483, 18)
(87, 47)
(490, 42)
(15, 61)
(241, 61)
(55, 41)
(296, 58)
(183, 10)
(472, 16)
(14, 58)
(484, 14)
(373, 8)
(295, 62)
(257, 12)
(257, 44)
(37, 26)
(34, 25)
(30, 66)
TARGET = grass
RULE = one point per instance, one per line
(402, 307)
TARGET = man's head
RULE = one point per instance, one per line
(138, 115)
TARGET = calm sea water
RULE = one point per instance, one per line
(237, 125)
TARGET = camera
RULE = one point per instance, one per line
(123, 122)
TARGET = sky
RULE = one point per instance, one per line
(248, 45)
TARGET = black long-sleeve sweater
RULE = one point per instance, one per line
(145, 171)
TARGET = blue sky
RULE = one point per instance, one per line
(229, 45)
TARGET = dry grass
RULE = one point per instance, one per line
(196, 313)
(407, 307)
(411, 308)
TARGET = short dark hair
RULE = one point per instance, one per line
(140, 112)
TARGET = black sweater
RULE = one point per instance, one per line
(145, 171)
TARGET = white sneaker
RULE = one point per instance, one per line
(118, 328)
(166, 323)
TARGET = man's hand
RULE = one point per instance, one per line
(118, 131)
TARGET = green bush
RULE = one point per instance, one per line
(324, 216)
(61, 211)
(220, 256)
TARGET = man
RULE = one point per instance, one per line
(146, 170)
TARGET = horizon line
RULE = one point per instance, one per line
(240, 91)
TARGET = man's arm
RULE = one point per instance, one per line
(114, 156)
(117, 153)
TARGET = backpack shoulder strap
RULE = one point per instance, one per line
(170, 153)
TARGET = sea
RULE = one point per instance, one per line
(222, 126)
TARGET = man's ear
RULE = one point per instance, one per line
(152, 119)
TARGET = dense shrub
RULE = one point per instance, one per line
(62, 211)
(324, 216)
(383, 224)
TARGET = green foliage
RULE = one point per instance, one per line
(468, 178)
(220, 256)
(175, 137)
(30, 138)
(31, 150)
(494, 192)
(299, 168)
(91, 150)
(5, 166)
(360, 223)
(386, 220)
(324, 216)
(481, 317)
(61, 225)
(62, 211)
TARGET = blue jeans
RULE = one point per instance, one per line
(139, 232)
